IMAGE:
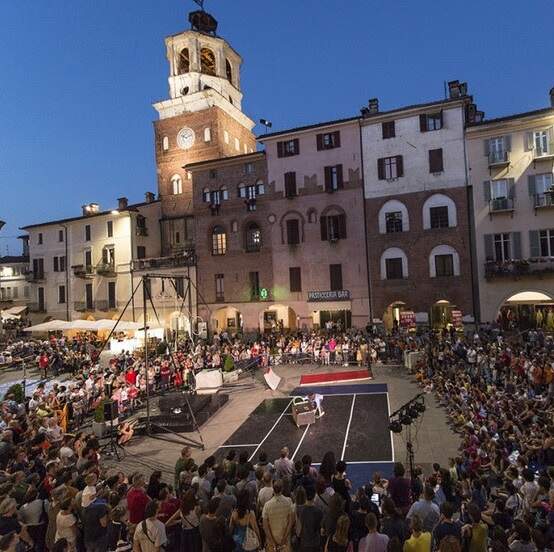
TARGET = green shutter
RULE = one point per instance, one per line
(516, 245)
(489, 249)
(487, 191)
(534, 243)
(532, 185)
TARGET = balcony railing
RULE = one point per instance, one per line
(544, 200)
(499, 158)
(82, 306)
(173, 261)
(104, 305)
(519, 268)
(83, 271)
(501, 204)
(106, 269)
(37, 276)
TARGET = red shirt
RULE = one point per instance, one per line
(131, 377)
(168, 508)
(137, 499)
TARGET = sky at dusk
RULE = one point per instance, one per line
(78, 77)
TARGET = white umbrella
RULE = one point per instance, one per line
(51, 326)
(86, 325)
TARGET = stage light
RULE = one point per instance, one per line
(420, 407)
(395, 426)
(405, 418)
(413, 411)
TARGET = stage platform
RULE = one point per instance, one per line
(355, 427)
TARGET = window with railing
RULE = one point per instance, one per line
(541, 186)
(502, 247)
(219, 241)
(253, 237)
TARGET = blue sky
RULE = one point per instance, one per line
(78, 78)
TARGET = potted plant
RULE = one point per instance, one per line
(99, 423)
(229, 373)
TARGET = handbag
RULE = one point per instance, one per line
(251, 541)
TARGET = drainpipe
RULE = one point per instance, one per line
(368, 267)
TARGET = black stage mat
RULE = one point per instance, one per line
(268, 429)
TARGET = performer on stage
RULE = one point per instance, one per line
(315, 399)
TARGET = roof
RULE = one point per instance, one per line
(93, 215)
(534, 113)
(10, 259)
(359, 117)
(232, 158)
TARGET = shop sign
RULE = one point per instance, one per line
(337, 295)
(457, 318)
(408, 319)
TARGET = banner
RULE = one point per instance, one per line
(457, 318)
(407, 319)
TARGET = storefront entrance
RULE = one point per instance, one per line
(338, 320)
(278, 318)
(226, 319)
(527, 310)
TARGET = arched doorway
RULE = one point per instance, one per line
(226, 319)
(391, 316)
(276, 318)
(527, 310)
(441, 314)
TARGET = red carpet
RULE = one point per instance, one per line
(334, 377)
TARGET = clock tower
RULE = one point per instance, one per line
(202, 119)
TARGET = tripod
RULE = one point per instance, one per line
(111, 448)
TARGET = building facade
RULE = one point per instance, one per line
(511, 162)
(233, 241)
(82, 267)
(417, 211)
(15, 290)
(316, 224)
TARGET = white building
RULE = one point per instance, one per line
(86, 267)
(15, 290)
(511, 162)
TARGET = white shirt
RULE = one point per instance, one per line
(155, 538)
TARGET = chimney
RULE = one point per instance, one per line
(373, 106)
(552, 97)
(122, 203)
(457, 89)
(149, 197)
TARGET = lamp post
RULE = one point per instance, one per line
(2, 223)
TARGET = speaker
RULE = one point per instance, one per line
(110, 411)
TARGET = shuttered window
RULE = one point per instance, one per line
(333, 227)
(290, 184)
(328, 140)
(430, 121)
(388, 130)
(288, 148)
(295, 278)
(333, 178)
(435, 161)
(293, 232)
(389, 168)
(335, 274)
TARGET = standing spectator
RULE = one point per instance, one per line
(95, 523)
(66, 525)
(9, 522)
(154, 485)
(212, 528)
(310, 524)
(373, 541)
(284, 466)
(420, 541)
(393, 524)
(475, 533)
(189, 516)
(446, 526)
(243, 518)
(137, 499)
(399, 489)
(184, 463)
(278, 519)
(338, 542)
(150, 532)
(427, 511)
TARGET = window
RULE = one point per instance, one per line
(26, 292)
(546, 243)
(293, 232)
(444, 265)
(502, 247)
(88, 297)
(165, 143)
(39, 238)
(543, 183)
(430, 121)
(207, 62)
(254, 279)
(60, 235)
(389, 168)
(108, 256)
(499, 189)
(219, 288)
(176, 184)
(112, 304)
(333, 227)
(62, 263)
(226, 136)
(183, 61)
(61, 294)
(335, 275)
(333, 178)
(252, 191)
(290, 184)
(228, 71)
(295, 279)
(439, 217)
(56, 264)
(393, 269)
(393, 222)
(248, 168)
(388, 130)
(237, 144)
(435, 161)
(288, 148)
(215, 197)
(328, 140)
(541, 142)
(207, 134)
(213, 174)
(497, 149)
(38, 269)
(15, 294)
(110, 228)
(141, 252)
(253, 237)
(87, 232)
(219, 241)
(88, 260)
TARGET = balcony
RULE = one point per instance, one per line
(501, 205)
(83, 271)
(544, 201)
(83, 306)
(106, 269)
(499, 158)
(544, 153)
(174, 261)
(538, 268)
(35, 276)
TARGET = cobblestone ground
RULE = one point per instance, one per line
(432, 439)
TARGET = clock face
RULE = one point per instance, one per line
(185, 138)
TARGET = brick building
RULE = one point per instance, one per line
(232, 206)
(418, 215)
(317, 222)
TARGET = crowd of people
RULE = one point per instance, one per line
(496, 494)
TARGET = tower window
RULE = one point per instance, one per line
(165, 143)
(183, 62)
(207, 62)
(176, 184)
(207, 134)
(228, 71)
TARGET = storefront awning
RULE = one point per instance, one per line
(16, 310)
(333, 306)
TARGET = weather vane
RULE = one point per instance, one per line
(200, 3)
